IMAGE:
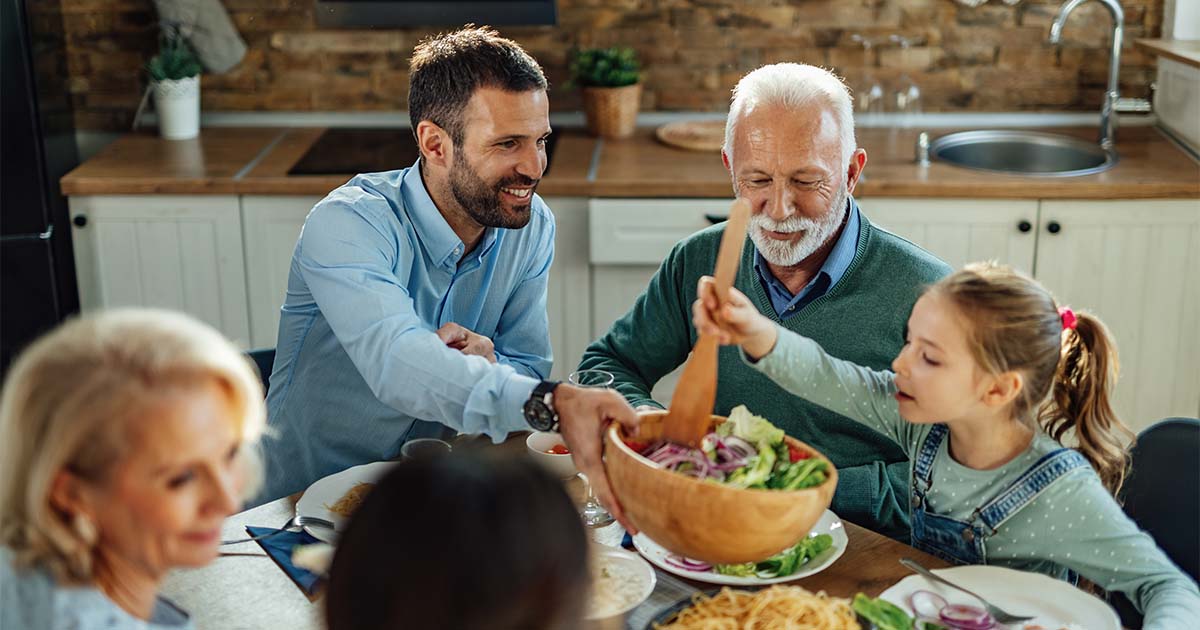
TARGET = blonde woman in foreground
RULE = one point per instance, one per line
(992, 375)
(126, 438)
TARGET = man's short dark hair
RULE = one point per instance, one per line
(446, 70)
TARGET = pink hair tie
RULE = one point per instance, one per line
(1068, 318)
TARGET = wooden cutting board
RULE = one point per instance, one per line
(693, 135)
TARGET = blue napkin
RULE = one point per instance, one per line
(279, 547)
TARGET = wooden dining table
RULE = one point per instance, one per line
(243, 589)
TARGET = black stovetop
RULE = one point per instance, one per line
(351, 151)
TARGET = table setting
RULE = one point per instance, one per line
(728, 502)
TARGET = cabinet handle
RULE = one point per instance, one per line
(716, 218)
(80, 220)
(1024, 226)
(1053, 227)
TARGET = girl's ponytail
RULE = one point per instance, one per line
(1080, 399)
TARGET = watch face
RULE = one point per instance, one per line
(539, 415)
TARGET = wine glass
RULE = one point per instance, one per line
(870, 96)
(593, 513)
(907, 97)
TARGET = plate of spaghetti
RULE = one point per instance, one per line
(822, 547)
(780, 606)
(336, 497)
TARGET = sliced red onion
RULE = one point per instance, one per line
(926, 603)
(686, 563)
(730, 465)
(740, 446)
(965, 617)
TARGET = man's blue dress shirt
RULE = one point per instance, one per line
(358, 367)
(786, 304)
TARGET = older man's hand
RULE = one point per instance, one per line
(467, 342)
(583, 416)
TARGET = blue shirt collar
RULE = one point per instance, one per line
(434, 233)
(827, 276)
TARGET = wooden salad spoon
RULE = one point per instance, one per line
(689, 417)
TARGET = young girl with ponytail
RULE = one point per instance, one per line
(993, 375)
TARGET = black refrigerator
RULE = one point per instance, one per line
(37, 147)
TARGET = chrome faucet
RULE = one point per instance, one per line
(1107, 109)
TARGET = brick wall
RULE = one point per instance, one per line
(989, 58)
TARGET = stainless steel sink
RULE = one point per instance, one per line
(1022, 152)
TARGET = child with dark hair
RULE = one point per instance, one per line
(463, 541)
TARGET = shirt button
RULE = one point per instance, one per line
(916, 501)
(968, 534)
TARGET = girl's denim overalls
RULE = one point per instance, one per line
(961, 542)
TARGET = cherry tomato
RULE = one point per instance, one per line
(558, 449)
(637, 447)
(796, 454)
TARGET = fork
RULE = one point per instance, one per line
(298, 521)
(999, 614)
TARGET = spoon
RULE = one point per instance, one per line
(690, 414)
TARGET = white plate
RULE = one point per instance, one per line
(326, 491)
(632, 568)
(829, 523)
(1055, 603)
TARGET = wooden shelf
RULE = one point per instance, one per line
(1182, 50)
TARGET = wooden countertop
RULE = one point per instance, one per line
(231, 160)
(1182, 50)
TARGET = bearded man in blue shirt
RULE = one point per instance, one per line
(416, 299)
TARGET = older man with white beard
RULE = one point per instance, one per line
(818, 267)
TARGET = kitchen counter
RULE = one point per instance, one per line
(235, 160)
(1186, 51)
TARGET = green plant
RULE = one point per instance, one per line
(603, 67)
(175, 59)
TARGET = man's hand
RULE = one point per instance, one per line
(583, 416)
(467, 342)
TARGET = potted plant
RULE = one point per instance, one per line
(611, 90)
(175, 79)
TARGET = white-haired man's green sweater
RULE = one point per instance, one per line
(861, 319)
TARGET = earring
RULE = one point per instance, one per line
(85, 528)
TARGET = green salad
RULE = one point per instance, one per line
(783, 563)
(745, 451)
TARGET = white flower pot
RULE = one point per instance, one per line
(178, 107)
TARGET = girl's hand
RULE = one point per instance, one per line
(737, 322)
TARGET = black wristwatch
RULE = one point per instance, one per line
(539, 409)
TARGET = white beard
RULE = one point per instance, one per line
(816, 233)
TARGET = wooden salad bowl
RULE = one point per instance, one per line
(707, 521)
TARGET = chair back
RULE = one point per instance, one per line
(1162, 493)
(264, 359)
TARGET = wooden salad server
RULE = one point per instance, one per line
(689, 417)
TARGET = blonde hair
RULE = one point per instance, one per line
(65, 404)
(794, 86)
(1015, 325)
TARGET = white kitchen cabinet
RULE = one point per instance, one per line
(960, 231)
(629, 239)
(272, 226)
(1136, 265)
(568, 297)
(182, 252)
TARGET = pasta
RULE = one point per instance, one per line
(350, 501)
(776, 608)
